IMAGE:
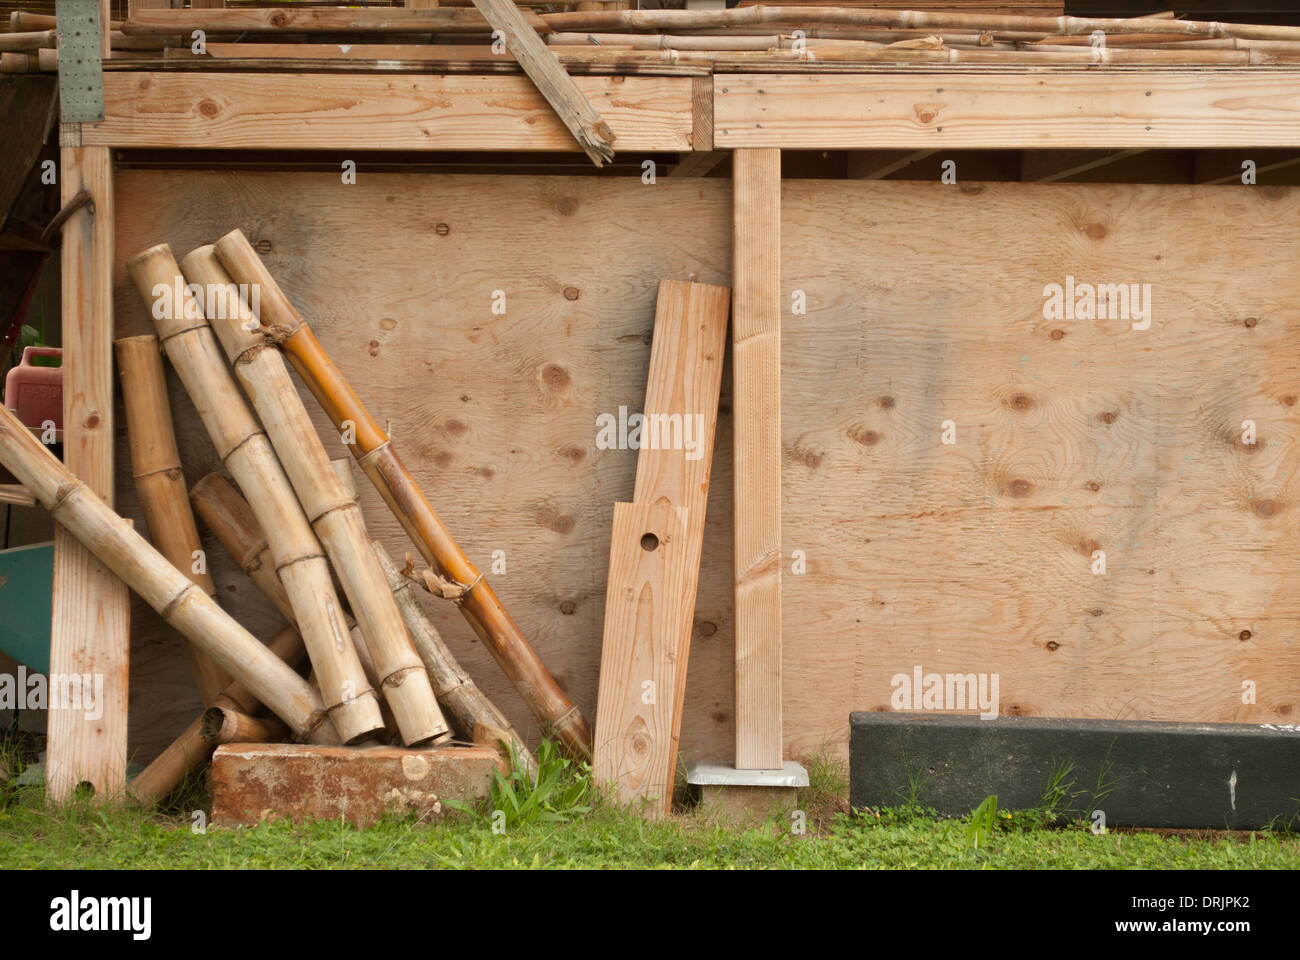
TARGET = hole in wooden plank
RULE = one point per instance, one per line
(649, 542)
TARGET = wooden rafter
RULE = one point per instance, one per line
(565, 97)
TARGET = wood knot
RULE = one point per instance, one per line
(707, 628)
(209, 108)
(1094, 485)
(1094, 231)
(567, 206)
(442, 229)
(262, 246)
(1058, 334)
(571, 293)
(1267, 508)
(886, 402)
(1244, 636)
(1108, 417)
(567, 607)
(1021, 402)
(1250, 322)
(1019, 488)
(1053, 645)
(555, 376)
(864, 436)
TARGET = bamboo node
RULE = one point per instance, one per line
(276, 333)
(398, 677)
(182, 332)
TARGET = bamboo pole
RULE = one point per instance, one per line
(469, 708)
(222, 724)
(191, 346)
(333, 515)
(146, 571)
(231, 520)
(194, 746)
(160, 484)
(28, 41)
(643, 20)
(374, 450)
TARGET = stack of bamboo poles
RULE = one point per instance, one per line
(379, 668)
(754, 38)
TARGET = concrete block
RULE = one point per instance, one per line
(1193, 775)
(252, 782)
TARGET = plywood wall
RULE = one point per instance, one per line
(924, 304)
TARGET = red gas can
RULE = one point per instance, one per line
(35, 394)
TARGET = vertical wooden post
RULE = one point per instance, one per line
(89, 635)
(756, 418)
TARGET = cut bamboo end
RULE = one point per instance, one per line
(245, 266)
(410, 694)
(227, 725)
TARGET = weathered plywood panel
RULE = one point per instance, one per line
(495, 414)
(924, 305)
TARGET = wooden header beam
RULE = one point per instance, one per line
(1060, 110)
(285, 111)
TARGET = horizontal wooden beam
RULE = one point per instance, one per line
(322, 112)
(1065, 110)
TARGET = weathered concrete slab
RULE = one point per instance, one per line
(1208, 775)
(252, 782)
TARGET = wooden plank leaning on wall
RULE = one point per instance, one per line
(756, 389)
(655, 548)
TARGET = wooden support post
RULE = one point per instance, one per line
(89, 634)
(756, 392)
(552, 82)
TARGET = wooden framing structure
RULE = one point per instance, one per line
(703, 117)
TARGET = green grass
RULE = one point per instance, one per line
(589, 835)
(84, 837)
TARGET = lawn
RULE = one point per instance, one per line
(566, 828)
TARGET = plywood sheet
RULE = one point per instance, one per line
(924, 305)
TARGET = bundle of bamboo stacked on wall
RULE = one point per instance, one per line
(601, 38)
(380, 671)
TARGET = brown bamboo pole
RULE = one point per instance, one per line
(620, 20)
(332, 513)
(146, 571)
(160, 484)
(194, 746)
(192, 348)
(231, 520)
(467, 705)
(374, 450)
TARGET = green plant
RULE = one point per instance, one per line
(32, 337)
(983, 820)
(560, 792)
(916, 782)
